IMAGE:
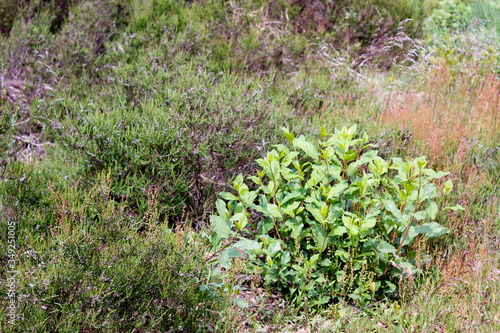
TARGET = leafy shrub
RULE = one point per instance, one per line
(338, 221)
(450, 15)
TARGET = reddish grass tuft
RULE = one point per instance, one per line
(450, 107)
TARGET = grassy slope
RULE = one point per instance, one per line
(131, 115)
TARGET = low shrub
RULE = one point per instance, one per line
(332, 223)
(90, 270)
(184, 141)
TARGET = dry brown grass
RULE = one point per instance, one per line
(450, 107)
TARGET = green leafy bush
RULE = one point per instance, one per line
(331, 222)
(449, 15)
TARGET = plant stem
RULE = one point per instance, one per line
(414, 210)
(231, 241)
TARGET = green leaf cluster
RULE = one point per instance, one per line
(330, 220)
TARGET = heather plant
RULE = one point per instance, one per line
(338, 221)
(85, 265)
(185, 140)
(7, 122)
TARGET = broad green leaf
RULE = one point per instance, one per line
(285, 258)
(431, 174)
(408, 187)
(262, 163)
(237, 217)
(368, 224)
(241, 222)
(239, 179)
(313, 259)
(337, 189)
(323, 131)
(402, 167)
(432, 209)
(306, 146)
(319, 173)
(326, 263)
(243, 189)
(419, 215)
(247, 245)
(432, 229)
(290, 209)
(274, 210)
(324, 211)
(274, 247)
(410, 236)
(220, 226)
(296, 227)
(270, 186)
(224, 259)
(316, 213)
(320, 234)
(233, 253)
(289, 136)
(256, 180)
(248, 198)
(391, 207)
(259, 209)
(428, 191)
(421, 162)
(349, 224)
(290, 196)
(265, 226)
(385, 247)
(363, 159)
(221, 208)
(215, 240)
(352, 130)
(378, 166)
(290, 175)
(337, 231)
(448, 187)
(289, 158)
(344, 256)
(228, 196)
(350, 156)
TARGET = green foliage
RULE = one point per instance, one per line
(464, 33)
(87, 266)
(457, 15)
(171, 99)
(7, 122)
(184, 140)
(338, 220)
(488, 11)
(450, 15)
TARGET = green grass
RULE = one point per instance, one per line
(122, 120)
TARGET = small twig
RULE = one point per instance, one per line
(22, 122)
(27, 140)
